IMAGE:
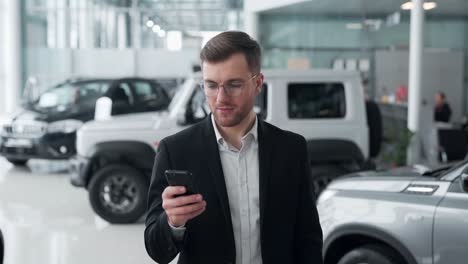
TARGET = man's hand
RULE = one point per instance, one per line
(181, 209)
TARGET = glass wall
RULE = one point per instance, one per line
(349, 35)
(114, 38)
(82, 24)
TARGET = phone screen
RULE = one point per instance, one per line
(181, 178)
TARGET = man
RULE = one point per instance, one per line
(442, 111)
(255, 204)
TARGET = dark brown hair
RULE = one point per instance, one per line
(226, 44)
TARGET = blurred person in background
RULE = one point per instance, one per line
(442, 110)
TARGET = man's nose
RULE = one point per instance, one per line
(222, 95)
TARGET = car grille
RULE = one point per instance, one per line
(35, 129)
(27, 151)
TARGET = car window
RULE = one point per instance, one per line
(144, 91)
(72, 95)
(93, 89)
(127, 95)
(122, 99)
(316, 100)
(454, 172)
(148, 96)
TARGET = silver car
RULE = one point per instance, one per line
(397, 217)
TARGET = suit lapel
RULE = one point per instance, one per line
(265, 146)
(216, 171)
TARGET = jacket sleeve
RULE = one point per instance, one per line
(159, 240)
(308, 240)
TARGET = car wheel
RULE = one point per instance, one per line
(18, 162)
(372, 254)
(118, 194)
(322, 176)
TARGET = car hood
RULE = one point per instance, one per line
(395, 180)
(29, 115)
(125, 122)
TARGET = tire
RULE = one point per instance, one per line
(372, 254)
(118, 194)
(18, 162)
(374, 121)
(323, 175)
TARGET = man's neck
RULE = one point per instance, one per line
(233, 135)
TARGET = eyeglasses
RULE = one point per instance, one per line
(231, 88)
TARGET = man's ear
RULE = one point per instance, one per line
(259, 83)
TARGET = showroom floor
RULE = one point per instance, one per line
(45, 220)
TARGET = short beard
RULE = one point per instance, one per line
(231, 122)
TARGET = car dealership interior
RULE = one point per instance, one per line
(378, 89)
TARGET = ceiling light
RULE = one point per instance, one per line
(407, 6)
(156, 28)
(149, 23)
(426, 5)
(162, 33)
(430, 5)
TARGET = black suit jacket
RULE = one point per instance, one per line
(443, 113)
(290, 231)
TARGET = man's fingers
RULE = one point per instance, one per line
(189, 199)
(171, 191)
(181, 201)
(182, 219)
(185, 210)
(196, 213)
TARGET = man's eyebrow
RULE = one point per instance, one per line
(229, 80)
(235, 80)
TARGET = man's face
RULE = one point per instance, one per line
(439, 100)
(229, 111)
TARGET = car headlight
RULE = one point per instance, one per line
(65, 126)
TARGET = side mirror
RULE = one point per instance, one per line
(464, 180)
(103, 109)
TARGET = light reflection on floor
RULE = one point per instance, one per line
(45, 220)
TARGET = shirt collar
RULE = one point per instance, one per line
(219, 138)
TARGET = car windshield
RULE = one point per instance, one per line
(180, 95)
(67, 96)
(445, 169)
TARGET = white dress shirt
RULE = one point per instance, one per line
(241, 174)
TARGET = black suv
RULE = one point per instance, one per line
(46, 127)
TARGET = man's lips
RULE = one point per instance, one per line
(224, 109)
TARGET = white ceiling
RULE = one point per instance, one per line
(367, 7)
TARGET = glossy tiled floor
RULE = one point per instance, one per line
(45, 220)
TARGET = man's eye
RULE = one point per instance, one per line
(235, 85)
(211, 85)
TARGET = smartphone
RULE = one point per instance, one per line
(181, 178)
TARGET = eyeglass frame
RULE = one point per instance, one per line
(227, 91)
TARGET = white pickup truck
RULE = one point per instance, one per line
(115, 156)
